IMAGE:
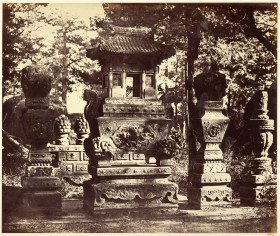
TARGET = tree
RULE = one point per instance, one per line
(18, 46)
(250, 20)
(240, 37)
(67, 53)
(61, 46)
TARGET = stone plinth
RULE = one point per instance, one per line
(258, 189)
(208, 178)
(260, 184)
(130, 193)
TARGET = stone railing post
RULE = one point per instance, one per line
(260, 180)
(40, 186)
(208, 176)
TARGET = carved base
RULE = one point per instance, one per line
(49, 202)
(41, 183)
(209, 196)
(41, 194)
(258, 189)
(130, 194)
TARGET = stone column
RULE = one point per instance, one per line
(260, 182)
(208, 178)
(40, 186)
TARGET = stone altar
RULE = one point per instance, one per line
(129, 147)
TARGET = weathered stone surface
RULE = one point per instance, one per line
(36, 81)
(69, 159)
(131, 134)
(213, 195)
(40, 182)
(38, 126)
(130, 171)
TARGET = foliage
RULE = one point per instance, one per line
(34, 35)
(18, 44)
(67, 55)
(240, 37)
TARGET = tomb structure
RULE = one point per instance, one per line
(129, 147)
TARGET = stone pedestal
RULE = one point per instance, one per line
(40, 186)
(208, 178)
(260, 184)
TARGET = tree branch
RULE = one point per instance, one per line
(252, 31)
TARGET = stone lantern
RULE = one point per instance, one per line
(207, 176)
(128, 125)
(40, 186)
(259, 186)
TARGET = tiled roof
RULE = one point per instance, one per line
(131, 45)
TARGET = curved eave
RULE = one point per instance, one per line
(97, 53)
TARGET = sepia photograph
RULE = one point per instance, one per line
(139, 117)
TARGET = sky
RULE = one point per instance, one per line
(82, 10)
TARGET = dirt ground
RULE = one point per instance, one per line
(75, 219)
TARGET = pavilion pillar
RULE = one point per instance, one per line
(156, 82)
(123, 78)
(143, 87)
(110, 84)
